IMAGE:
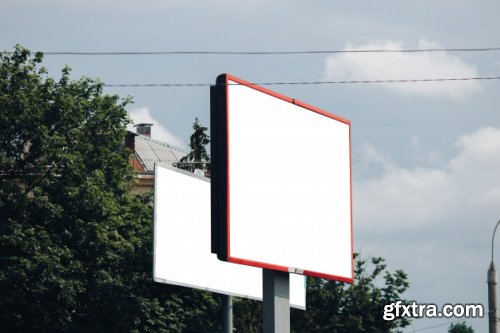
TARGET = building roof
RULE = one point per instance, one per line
(149, 151)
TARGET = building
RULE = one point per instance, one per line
(147, 152)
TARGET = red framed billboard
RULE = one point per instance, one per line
(281, 182)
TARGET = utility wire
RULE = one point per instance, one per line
(304, 82)
(131, 53)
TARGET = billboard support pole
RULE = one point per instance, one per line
(227, 314)
(276, 301)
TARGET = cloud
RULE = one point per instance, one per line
(414, 198)
(478, 164)
(435, 223)
(158, 131)
(397, 66)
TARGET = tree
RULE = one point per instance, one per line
(339, 307)
(198, 157)
(75, 242)
(460, 328)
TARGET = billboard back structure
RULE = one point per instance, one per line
(182, 253)
(282, 169)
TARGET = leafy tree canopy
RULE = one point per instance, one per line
(75, 243)
(460, 328)
(340, 307)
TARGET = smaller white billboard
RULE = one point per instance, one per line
(182, 253)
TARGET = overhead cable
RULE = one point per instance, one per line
(132, 53)
(304, 82)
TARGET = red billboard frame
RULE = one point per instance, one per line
(221, 214)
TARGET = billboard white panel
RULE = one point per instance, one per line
(182, 253)
(287, 182)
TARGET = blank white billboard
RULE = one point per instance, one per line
(286, 180)
(182, 253)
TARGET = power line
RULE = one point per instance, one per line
(133, 53)
(305, 82)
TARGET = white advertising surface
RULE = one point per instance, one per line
(289, 184)
(182, 242)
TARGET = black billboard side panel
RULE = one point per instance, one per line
(218, 148)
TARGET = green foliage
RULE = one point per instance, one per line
(339, 307)
(75, 242)
(198, 157)
(460, 328)
(247, 315)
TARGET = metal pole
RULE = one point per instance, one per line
(276, 301)
(492, 298)
(492, 289)
(227, 314)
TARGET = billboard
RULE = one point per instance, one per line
(182, 253)
(282, 171)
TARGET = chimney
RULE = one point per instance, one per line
(144, 129)
(130, 140)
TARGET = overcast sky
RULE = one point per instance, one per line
(426, 156)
